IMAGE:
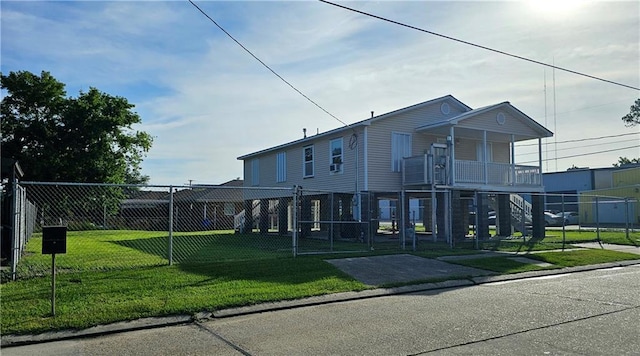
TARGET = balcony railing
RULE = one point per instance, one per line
(417, 171)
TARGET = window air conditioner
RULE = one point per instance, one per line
(335, 167)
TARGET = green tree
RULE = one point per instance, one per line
(63, 139)
(633, 117)
(624, 160)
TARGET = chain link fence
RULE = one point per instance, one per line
(127, 226)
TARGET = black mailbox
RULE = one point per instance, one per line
(54, 240)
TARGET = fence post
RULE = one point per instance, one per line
(170, 252)
(563, 224)
(597, 219)
(14, 232)
(402, 226)
(626, 216)
(294, 233)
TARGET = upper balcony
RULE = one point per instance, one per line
(420, 171)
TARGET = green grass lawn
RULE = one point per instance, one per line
(503, 265)
(558, 259)
(618, 237)
(90, 298)
(109, 276)
(582, 257)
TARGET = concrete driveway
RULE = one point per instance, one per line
(380, 270)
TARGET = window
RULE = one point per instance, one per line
(307, 159)
(255, 171)
(400, 148)
(229, 209)
(480, 152)
(281, 167)
(335, 155)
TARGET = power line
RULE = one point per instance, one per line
(478, 46)
(583, 146)
(264, 64)
(594, 106)
(586, 154)
(582, 139)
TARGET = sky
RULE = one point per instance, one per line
(206, 101)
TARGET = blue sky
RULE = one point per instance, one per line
(206, 101)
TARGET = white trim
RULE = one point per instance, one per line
(336, 167)
(255, 171)
(281, 167)
(312, 162)
(396, 155)
(365, 165)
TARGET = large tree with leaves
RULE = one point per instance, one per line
(633, 117)
(57, 138)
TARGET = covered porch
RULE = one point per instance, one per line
(477, 150)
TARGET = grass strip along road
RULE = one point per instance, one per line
(126, 278)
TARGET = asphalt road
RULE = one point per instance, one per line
(586, 313)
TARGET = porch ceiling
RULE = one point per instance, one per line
(468, 133)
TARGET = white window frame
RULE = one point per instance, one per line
(255, 171)
(229, 209)
(336, 158)
(281, 167)
(400, 148)
(310, 163)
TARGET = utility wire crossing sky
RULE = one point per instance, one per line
(205, 101)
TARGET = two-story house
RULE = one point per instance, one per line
(452, 156)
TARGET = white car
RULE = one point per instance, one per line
(552, 219)
(571, 218)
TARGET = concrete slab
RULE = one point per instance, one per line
(531, 261)
(619, 248)
(379, 270)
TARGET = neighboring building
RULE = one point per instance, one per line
(208, 207)
(196, 208)
(142, 210)
(441, 151)
(566, 186)
(616, 205)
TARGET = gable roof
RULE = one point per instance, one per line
(524, 118)
(225, 192)
(365, 122)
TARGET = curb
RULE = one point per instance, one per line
(158, 322)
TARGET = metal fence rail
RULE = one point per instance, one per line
(126, 226)
(114, 227)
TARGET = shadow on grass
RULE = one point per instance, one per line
(211, 248)
(228, 257)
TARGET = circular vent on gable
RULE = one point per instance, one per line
(445, 109)
(500, 118)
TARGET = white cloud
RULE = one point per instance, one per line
(207, 101)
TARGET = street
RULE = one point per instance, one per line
(586, 313)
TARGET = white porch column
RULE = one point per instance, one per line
(452, 180)
(485, 167)
(540, 161)
(513, 159)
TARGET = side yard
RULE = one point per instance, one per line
(124, 275)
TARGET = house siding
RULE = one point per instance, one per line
(487, 121)
(323, 178)
(379, 130)
(381, 178)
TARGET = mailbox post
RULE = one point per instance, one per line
(54, 240)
